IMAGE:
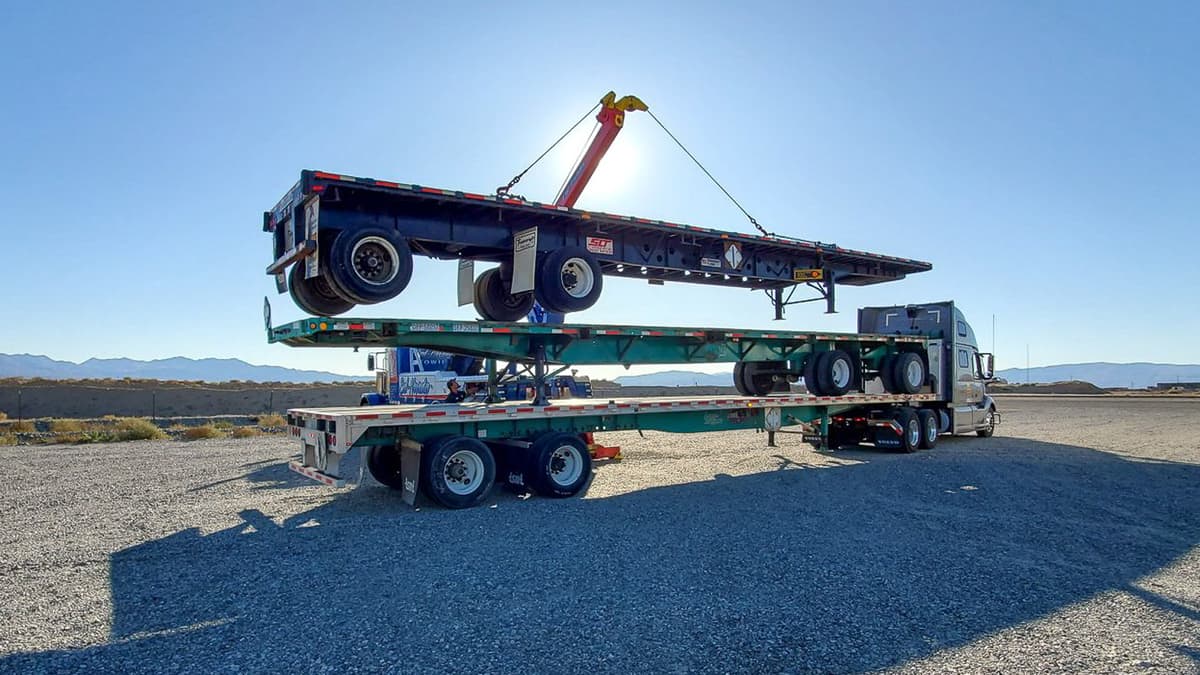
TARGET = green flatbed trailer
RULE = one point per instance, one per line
(767, 359)
(897, 390)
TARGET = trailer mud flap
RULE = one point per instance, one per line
(312, 215)
(466, 282)
(524, 260)
(410, 472)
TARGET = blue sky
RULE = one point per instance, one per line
(1045, 157)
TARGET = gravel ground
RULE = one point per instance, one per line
(1069, 542)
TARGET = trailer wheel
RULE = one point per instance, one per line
(989, 425)
(457, 471)
(568, 280)
(929, 428)
(811, 381)
(835, 373)
(756, 379)
(315, 295)
(494, 300)
(383, 461)
(370, 265)
(909, 373)
(559, 464)
(739, 370)
(886, 370)
(910, 424)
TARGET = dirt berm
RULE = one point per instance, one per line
(152, 398)
(28, 399)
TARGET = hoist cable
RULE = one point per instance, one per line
(517, 178)
(710, 176)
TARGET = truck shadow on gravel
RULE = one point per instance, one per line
(848, 568)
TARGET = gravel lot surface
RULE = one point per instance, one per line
(1068, 542)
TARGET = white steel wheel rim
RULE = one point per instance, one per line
(463, 472)
(931, 432)
(914, 433)
(577, 277)
(913, 372)
(840, 373)
(566, 465)
(372, 254)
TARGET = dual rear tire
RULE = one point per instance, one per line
(903, 373)
(459, 472)
(362, 267)
(567, 279)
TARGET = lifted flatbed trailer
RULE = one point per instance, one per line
(456, 452)
(350, 240)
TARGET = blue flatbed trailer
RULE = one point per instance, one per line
(350, 240)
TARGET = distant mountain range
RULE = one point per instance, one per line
(1133, 375)
(177, 368)
(677, 378)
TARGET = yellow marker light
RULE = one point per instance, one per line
(312, 326)
(324, 325)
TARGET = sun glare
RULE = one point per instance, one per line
(616, 171)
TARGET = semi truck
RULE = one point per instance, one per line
(416, 375)
(910, 374)
(340, 241)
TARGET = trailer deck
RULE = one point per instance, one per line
(328, 434)
(577, 344)
(468, 226)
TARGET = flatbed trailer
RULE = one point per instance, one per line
(897, 390)
(766, 359)
(456, 452)
(350, 240)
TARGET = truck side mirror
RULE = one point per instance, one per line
(986, 364)
(371, 362)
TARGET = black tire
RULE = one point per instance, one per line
(886, 367)
(559, 464)
(315, 296)
(457, 472)
(739, 383)
(371, 264)
(929, 428)
(909, 373)
(910, 423)
(758, 379)
(990, 428)
(327, 239)
(494, 302)
(383, 461)
(812, 366)
(835, 373)
(568, 280)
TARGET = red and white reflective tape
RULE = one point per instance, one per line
(798, 243)
(312, 473)
(450, 411)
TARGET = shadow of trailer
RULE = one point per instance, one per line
(873, 563)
